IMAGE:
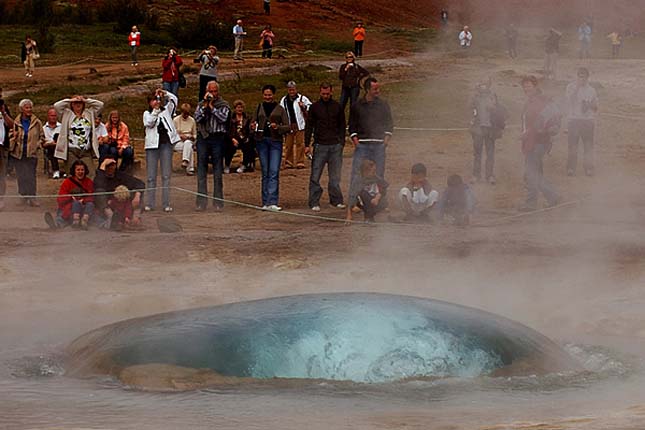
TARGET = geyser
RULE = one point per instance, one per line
(349, 336)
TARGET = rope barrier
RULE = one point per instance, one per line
(488, 223)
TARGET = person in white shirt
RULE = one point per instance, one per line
(238, 34)
(297, 107)
(187, 129)
(418, 198)
(581, 101)
(52, 131)
(465, 37)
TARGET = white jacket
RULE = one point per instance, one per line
(300, 116)
(64, 108)
(151, 121)
(465, 38)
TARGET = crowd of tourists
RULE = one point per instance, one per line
(95, 158)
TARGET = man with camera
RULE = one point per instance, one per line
(582, 105)
(6, 123)
(212, 117)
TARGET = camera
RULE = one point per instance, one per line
(158, 98)
(209, 97)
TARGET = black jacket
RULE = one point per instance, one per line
(326, 122)
(370, 121)
(104, 183)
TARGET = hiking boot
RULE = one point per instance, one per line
(84, 225)
(241, 169)
(315, 208)
(339, 206)
(492, 180)
(51, 222)
(274, 208)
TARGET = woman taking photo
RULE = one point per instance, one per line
(270, 124)
(28, 136)
(161, 135)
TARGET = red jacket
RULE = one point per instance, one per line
(69, 186)
(170, 70)
(134, 37)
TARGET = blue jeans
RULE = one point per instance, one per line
(172, 87)
(367, 151)
(535, 180)
(155, 157)
(332, 155)
(270, 153)
(210, 149)
(127, 156)
(349, 94)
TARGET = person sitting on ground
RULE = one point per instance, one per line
(123, 208)
(118, 141)
(187, 129)
(75, 199)
(370, 193)
(457, 201)
(465, 37)
(78, 138)
(418, 198)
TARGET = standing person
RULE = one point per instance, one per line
(266, 41)
(75, 206)
(208, 72)
(359, 37)
(540, 123)
(118, 141)
(350, 75)
(238, 35)
(465, 37)
(511, 34)
(443, 15)
(161, 136)
(134, 40)
(170, 76)
(326, 123)
(552, 49)
(240, 131)
(370, 128)
(27, 138)
(582, 104)
(486, 126)
(187, 129)
(267, 7)
(52, 131)
(212, 116)
(616, 42)
(584, 36)
(6, 124)
(78, 139)
(29, 53)
(270, 124)
(297, 106)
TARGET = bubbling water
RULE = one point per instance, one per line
(367, 338)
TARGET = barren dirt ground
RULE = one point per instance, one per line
(574, 273)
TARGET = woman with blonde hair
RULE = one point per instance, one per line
(118, 141)
(350, 75)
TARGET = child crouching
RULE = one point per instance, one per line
(368, 193)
